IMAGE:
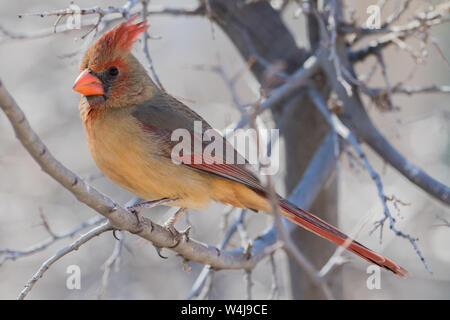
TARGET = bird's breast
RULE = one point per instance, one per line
(129, 156)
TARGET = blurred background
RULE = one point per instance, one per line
(39, 73)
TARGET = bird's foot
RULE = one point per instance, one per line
(185, 233)
(179, 235)
(141, 222)
(136, 209)
(170, 226)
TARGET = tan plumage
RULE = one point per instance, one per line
(128, 123)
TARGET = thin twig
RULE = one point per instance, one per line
(275, 291)
(293, 83)
(146, 38)
(396, 15)
(396, 34)
(288, 245)
(356, 118)
(112, 261)
(125, 11)
(346, 134)
(207, 269)
(120, 217)
(206, 290)
(10, 254)
(61, 253)
(249, 284)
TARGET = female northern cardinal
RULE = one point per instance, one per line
(128, 122)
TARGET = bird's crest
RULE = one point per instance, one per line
(123, 35)
(110, 47)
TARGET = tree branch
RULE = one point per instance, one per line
(125, 10)
(9, 254)
(357, 120)
(316, 174)
(119, 217)
(346, 134)
(422, 22)
(61, 253)
(297, 80)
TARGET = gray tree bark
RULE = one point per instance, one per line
(257, 29)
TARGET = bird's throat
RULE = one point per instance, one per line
(90, 109)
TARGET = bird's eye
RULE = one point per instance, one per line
(113, 71)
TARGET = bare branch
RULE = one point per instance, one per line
(125, 11)
(390, 98)
(275, 292)
(207, 270)
(337, 257)
(120, 217)
(9, 254)
(305, 193)
(395, 16)
(287, 242)
(204, 294)
(416, 175)
(422, 22)
(146, 37)
(319, 169)
(346, 134)
(231, 82)
(249, 284)
(412, 90)
(297, 80)
(298, 256)
(363, 127)
(184, 11)
(112, 262)
(330, 40)
(445, 222)
(11, 36)
(61, 253)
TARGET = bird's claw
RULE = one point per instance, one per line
(183, 235)
(169, 226)
(158, 251)
(140, 222)
(115, 235)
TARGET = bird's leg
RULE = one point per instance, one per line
(150, 204)
(136, 209)
(170, 225)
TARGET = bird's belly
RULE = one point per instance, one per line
(128, 162)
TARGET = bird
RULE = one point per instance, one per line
(128, 122)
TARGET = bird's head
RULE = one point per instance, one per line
(110, 74)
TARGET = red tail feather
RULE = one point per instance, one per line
(327, 231)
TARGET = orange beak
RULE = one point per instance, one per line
(88, 84)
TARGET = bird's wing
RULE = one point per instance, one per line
(163, 114)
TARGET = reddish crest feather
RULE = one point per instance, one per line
(124, 35)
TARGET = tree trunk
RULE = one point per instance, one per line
(257, 30)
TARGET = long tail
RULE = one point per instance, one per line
(327, 231)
